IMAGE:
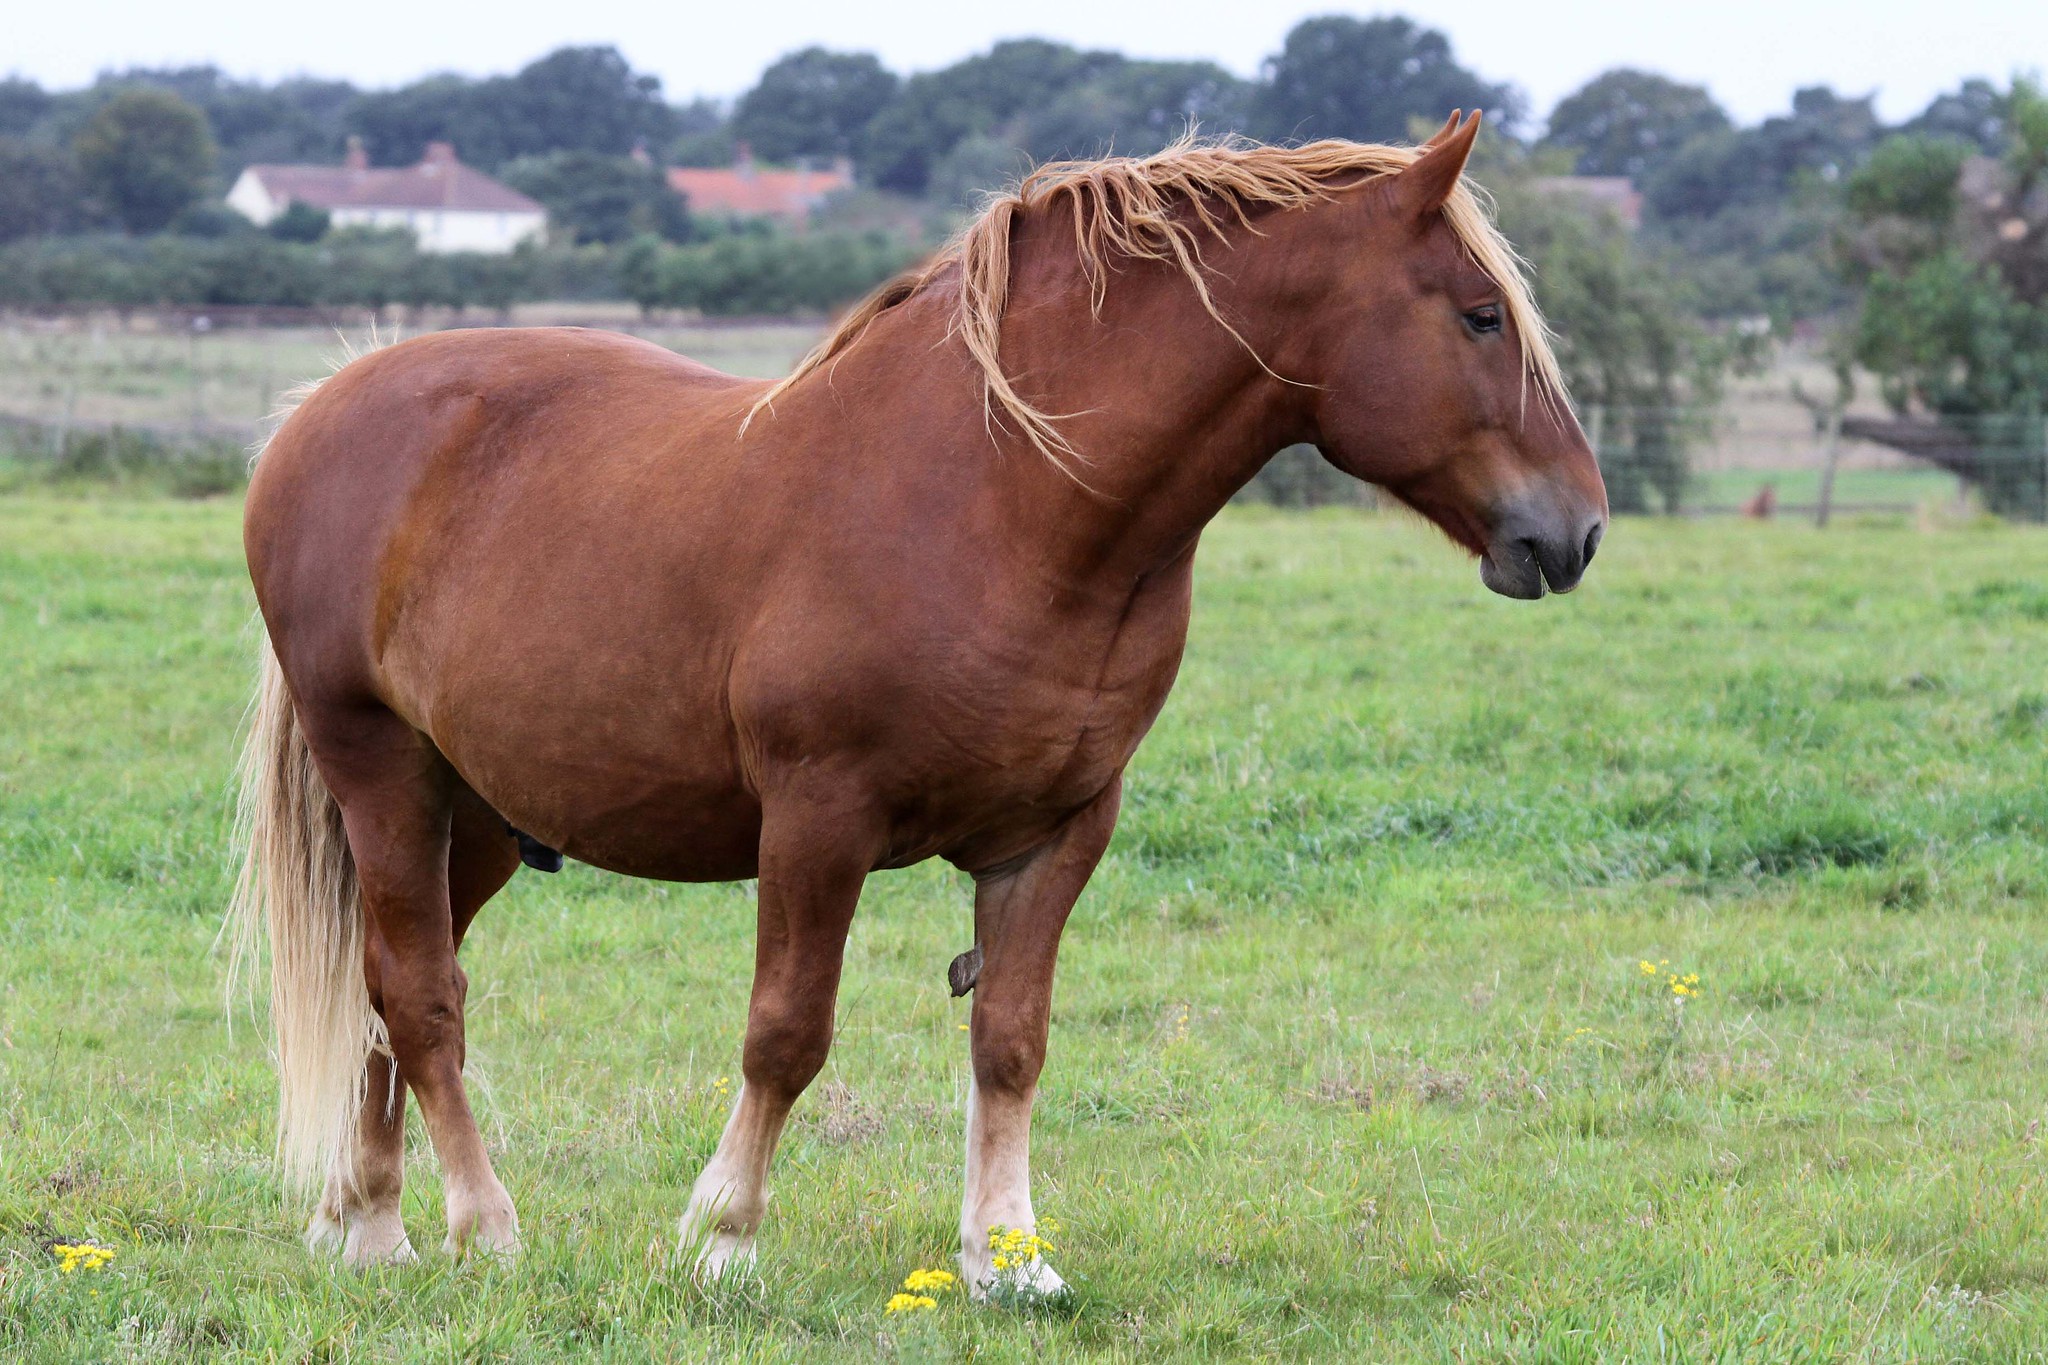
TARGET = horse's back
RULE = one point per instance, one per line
(389, 412)
(472, 423)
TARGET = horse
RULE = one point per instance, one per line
(563, 590)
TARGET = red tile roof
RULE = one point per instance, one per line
(749, 191)
(438, 182)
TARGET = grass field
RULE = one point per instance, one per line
(165, 377)
(1353, 1054)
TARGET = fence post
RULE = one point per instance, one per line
(1830, 453)
(60, 438)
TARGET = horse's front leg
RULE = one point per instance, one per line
(811, 871)
(1019, 912)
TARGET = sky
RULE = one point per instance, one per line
(1750, 53)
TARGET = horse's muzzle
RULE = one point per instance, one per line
(1527, 557)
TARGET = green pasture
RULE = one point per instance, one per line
(1890, 489)
(1354, 1054)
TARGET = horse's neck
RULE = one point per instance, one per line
(1170, 413)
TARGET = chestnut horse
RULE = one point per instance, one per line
(921, 599)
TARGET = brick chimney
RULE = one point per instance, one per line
(355, 159)
(438, 156)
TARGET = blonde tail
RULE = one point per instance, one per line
(298, 882)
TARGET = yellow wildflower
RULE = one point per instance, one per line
(76, 1256)
(910, 1303)
(927, 1281)
(1681, 984)
(1016, 1248)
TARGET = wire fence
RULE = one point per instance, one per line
(179, 402)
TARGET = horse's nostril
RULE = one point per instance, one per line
(1593, 541)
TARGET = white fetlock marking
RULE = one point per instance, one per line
(1035, 1278)
(370, 1237)
(998, 1198)
(482, 1223)
(325, 1234)
(717, 1243)
(729, 1198)
(727, 1256)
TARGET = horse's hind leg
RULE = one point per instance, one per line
(398, 800)
(359, 1216)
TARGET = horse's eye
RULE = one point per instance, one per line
(1485, 319)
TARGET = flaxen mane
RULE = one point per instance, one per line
(1159, 208)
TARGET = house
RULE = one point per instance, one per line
(1615, 194)
(448, 206)
(746, 190)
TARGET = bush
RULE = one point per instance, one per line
(744, 274)
(749, 272)
(123, 457)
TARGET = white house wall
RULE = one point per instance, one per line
(437, 230)
(251, 200)
(443, 230)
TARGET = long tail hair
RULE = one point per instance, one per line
(298, 884)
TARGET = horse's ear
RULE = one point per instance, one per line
(1450, 126)
(1422, 188)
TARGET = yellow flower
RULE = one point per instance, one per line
(927, 1281)
(910, 1303)
(1016, 1248)
(76, 1256)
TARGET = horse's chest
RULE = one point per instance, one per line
(1045, 722)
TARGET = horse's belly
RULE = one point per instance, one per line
(638, 779)
(672, 831)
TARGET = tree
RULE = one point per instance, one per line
(1824, 134)
(1135, 109)
(1631, 122)
(585, 99)
(593, 198)
(1644, 372)
(1953, 252)
(396, 125)
(703, 136)
(1824, 138)
(1977, 112)
(23, 105)
(294, 120)
(1911, 177)
(1368, 79)
(145, 156)
(935, 110)
(813, 102)
(300, 222)
(38, 190)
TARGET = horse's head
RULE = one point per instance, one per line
(1435, 380)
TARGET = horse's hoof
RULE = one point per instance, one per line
(361, 1241)
(492, 1230)
(727, 1258)
(1033, 1282)
(489, 1248)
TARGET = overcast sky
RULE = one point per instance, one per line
(1751, 53)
